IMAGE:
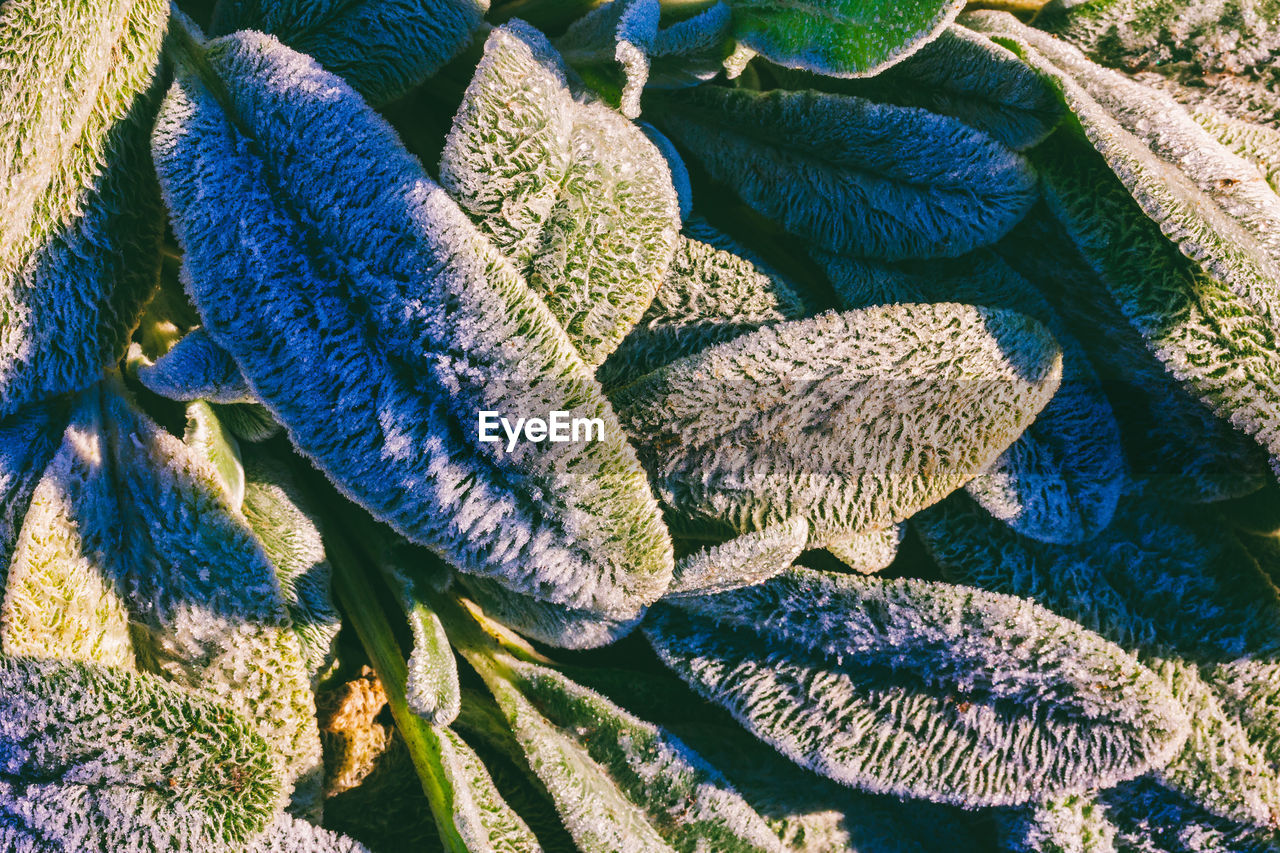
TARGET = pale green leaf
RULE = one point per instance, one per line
(868, 552)
(742, 561)
(208, 439)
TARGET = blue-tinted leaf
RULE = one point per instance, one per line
(97, 758)
(80, 219)
(383, 48)
(851, 175)
(376, 322)
(290, 835)
(850, 421)
(742, 561)
(576, 195)
(842, 38)
(1150, 817)
(921, 689)
(28, 440)
(196, 369)
(553, 624)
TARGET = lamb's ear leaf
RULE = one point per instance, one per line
(152, 564)
(841, 38)
(576, 195)
(416, 284)
(196, 369)
(208, 439)
(28, 441)
(1228, 94)
(961, 74)
(1175, 446)
(99, 758)
(857, 678)
(381, 49)
(1060, 481)
(287, 834)
(852, 175)
(1253, 141)
(1223, 347)
(1149, 816)
(1184, 39)
(715, 290)
(680, 181)
(248, 421)
(618, 782)
(1177, 591)
(742, 561)
(486, 822)
(80, 218)
(553, 624)
(1072, 824)
(868, 552)
(807, 418)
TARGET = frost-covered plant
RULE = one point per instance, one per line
(935, 354)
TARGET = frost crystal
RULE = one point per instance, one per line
(196, 369)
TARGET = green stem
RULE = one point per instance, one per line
(362, 608)
(1017, 7)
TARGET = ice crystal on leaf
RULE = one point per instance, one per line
(196, 369)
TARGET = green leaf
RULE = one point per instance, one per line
(868, 552)
(842, 38)
(715, 290)
(576, 195)
(402, 323)
(1074, 824)
(745, 560)
(131, 554)
(922, 689)
(807, 419)
(28, 440)
(208, 440)
(97, 758)
(851, 175)
(80, 218)
(1179, 592)
(382, 48)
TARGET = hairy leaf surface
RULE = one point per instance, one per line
(290, 835)
(742, 561)
(851, 421)
(576, 195)
(868, 552)
(851, 175)
(553, 624)
(922, 689)
(196, 369)
(402, 322)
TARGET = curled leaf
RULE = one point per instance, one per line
(868, 552)
(743, 561)
(196, 369)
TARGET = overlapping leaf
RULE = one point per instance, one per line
(922, 689)
(851, 421)
(290, 835)
(377, 323)
(851, 175)
(383, 48)
(196, 369)
(868, 552)
(742, 561)
(553, 624)
(80, 220)
(97, 758)
(576, 195)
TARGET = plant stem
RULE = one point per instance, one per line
(1017, 7)
(362, 608)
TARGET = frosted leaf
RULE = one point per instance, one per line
(869, 552)
(209, 441)
(715, 290)
(481, 817)
(1059, 482)
(841, 38)
(620, 784)
(80, 219)
(576, 195)
(1175, 589)
(619, 48)
(1253, 141)
(851, 421)
(1242, 99)
(1153, 819)
(196, 369)
(248, 421)
(383, 48)
(28, 440)
(745, 560)
(1175, 446)
(553, 624)
(679, 171)
(97, 758)
(282, 522)
(397, 343)
(965, 75)
(921, 689)
(431, 685)
(851, 175)
(1222, 347)
(138, 555)
(1181, 38)
(289, 835)
(1075, 824)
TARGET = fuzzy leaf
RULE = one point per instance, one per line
(553, 624)
(196, 369)
(1059, 482)
(208, 440)
(290, 835)
(851, 175)
(841, 38)
(1149, 817)
(97, 758)
(28, 440)
(383, 48)
(921, 689)
(715, 290)
(1237, 97)
(743, 561)
(680, 181)
(80, 219)
(869, 552)
(965, 75)
(1185, 598)
(248, 421)
(131, 552)
(576, 195)
(807, 418)
(1075, 824)
(395, 345)
(484, 820)
(620, 784)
